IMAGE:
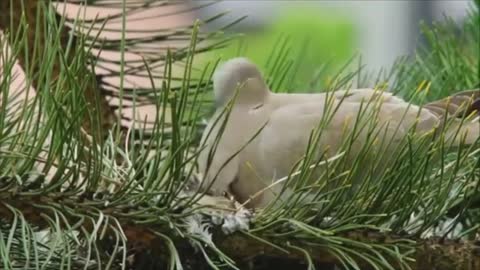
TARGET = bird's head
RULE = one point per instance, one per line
(239, 74)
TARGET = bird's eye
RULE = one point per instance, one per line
(257, 106)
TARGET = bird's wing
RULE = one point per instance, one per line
(367, 95)
(285, 138)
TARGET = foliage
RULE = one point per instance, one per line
(69, 203)
(448, 62)
(321, 42)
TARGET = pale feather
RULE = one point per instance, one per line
(289, 119)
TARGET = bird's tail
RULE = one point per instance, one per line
(460, 116)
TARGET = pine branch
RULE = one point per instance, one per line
(35, 13)
(433, 253)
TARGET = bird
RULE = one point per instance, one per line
(256, 136)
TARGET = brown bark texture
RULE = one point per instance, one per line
(430, 254)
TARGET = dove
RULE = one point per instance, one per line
(257, 137)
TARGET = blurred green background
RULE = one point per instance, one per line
(321, 40)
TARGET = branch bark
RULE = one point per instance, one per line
(431, 254)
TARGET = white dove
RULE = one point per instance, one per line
(266, 134)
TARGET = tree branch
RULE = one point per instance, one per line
(10, 21)
(433, 253)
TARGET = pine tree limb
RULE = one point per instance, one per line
(433, 253)
(11, 22)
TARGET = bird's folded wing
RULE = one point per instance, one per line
(285, 138)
